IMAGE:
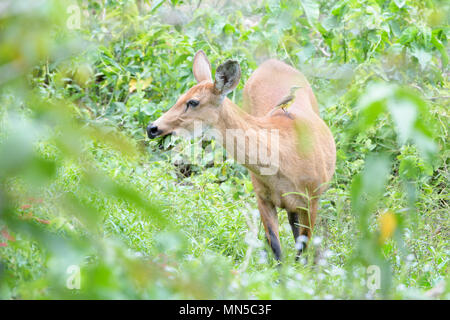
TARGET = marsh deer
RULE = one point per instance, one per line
(305, 148)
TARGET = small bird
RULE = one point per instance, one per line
(287, 101)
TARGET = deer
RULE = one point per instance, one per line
(305, 148)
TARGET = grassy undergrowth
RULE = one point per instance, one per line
(82, 189)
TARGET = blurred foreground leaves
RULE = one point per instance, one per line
(32, 123)
(75, 101)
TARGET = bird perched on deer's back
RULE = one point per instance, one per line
(286, 101)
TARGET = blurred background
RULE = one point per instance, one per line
(91, 209)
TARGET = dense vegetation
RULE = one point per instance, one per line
(80, 185)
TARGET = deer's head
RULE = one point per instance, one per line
(200, 103)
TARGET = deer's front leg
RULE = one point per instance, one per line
(269, 219)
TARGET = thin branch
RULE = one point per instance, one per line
(439, 97)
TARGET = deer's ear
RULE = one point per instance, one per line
(201, 67)
(228, 75)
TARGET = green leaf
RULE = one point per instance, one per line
(408, 35)
(404, 113)
(312, 11)
(438, 44)
(228, 29)
(157, 5)
(400, 3)
(421, 55)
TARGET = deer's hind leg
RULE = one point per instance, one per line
(302, 223)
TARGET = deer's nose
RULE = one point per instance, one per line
(153, 131)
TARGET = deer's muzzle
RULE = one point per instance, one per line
(153, 131)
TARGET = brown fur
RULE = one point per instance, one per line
(306, 155)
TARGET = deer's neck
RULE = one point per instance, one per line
(233, 117)
(246, 138)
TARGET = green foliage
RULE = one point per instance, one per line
(80, 185)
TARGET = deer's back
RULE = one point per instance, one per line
(270, 83)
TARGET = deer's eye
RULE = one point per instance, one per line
(192, 103)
